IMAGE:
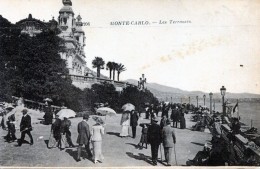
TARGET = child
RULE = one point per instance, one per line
(144, 136)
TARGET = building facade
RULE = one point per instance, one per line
(71, 32)
(70, 28)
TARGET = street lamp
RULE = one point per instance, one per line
(197, 97)
(141, 83)
(171, 99)
(210, 102)
(204, 97)
(189, 99)
(223, 92)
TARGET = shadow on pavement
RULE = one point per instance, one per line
(46, 142)
(74, 153)
(135, 145)
(113, 133)
(140, 156)
(199, 144)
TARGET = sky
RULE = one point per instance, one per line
(218, 45)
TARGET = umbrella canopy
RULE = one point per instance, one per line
(66, 113)
(128, 107)
(48, 100)
(106, 111)
(98, 120)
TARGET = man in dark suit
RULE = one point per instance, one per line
(169, 139)
(133, 122)
(25, 127)
(154, 138)
(84, 136)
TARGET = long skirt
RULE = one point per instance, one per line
(124, 131)
(52, 141)
(97, 150)
(63, 141)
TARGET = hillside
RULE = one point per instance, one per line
(163, 92)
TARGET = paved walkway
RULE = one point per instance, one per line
(117, 151)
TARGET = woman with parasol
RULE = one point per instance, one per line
(125, 123)
(96, 137)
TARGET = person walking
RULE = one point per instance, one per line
(163, 121)
(125, 123)
(55, 136)
(48, 116)
(96, 137)
(11, 128)
(143, 139)
(169, 139)
(154, 138)
(25, 127)
(134, 122)
(83, 137)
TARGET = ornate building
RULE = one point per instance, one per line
(74, 38)
(71, 32)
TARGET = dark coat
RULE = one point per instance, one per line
(84, 133)
(56, 128)
(65, 126)
(154, 134)
(168, 136)
(134, 119)
(26, 123)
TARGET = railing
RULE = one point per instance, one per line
(30, 104)
(87, 79)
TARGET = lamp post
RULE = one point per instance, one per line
(197, 97)
(189, 99)
(204, 97)
(223, 92)
(210, 102)
(141, 83)
(214, 105)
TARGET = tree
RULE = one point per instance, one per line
(32, 67)
(114, 69)
(98, 63)
(120, 68)
(110, 68)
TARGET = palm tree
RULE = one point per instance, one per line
(114, 69)
(110, 68)
(98, 63)
(120, 68)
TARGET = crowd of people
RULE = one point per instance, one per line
(154, 133)
(8, 123)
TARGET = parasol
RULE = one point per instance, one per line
(106, 111)
(67, 113)
(128, 107)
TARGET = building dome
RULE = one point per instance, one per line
(67, 9)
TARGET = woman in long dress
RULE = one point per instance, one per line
(125, 122)
(96, 137)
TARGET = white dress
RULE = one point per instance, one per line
(125, 122)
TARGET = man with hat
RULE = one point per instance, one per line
(25, 127)
(11, 127)
(84, 136)
(133, 122)
(169, 139)
(154, 138)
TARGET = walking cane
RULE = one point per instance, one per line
(175, 155)
(161, 153)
